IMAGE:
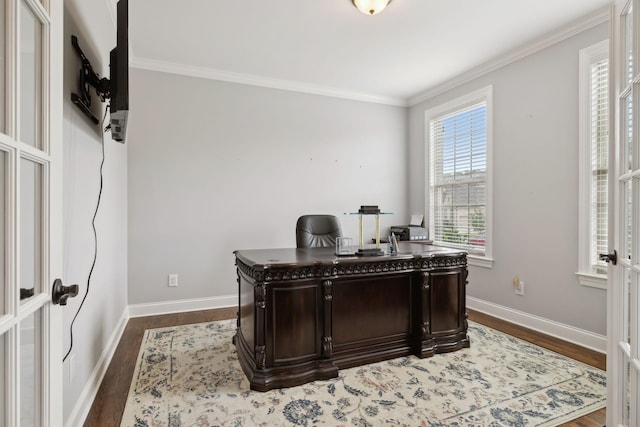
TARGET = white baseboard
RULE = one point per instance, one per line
(549, 327)
(180, 306)
(90, 390)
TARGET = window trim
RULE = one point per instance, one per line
(586, 57)
(481, 95)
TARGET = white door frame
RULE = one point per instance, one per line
(48, 385)
(55, 387)
(623, 299)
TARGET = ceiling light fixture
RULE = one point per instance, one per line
(370, 7)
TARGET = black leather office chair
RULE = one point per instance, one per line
(314, 231)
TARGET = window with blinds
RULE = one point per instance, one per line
(593, 164)
(599, 163)
(458, 178)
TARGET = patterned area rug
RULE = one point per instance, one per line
(190, 376)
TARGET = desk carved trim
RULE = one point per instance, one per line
(275, 274)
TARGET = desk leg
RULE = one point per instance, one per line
(424, 297)
(261, 304)
(426, 344)
(327, 340)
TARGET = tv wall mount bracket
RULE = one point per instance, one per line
(89, 78)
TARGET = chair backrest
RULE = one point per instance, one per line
(314, 231)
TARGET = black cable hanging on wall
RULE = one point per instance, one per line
(95, 241)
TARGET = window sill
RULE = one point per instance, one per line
(598, 281)
(480, 261)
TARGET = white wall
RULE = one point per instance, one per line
(215, 167)
(106, 301)
(535, 185)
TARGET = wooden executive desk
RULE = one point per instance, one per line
(305, 313)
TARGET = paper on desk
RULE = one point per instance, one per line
(416, 219)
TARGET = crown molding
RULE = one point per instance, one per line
(587, 22)
(254, 80)
(583, 24)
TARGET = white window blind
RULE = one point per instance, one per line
(599, 163)
(593, 164)
(458, 184)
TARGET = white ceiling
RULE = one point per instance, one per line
(328, 46)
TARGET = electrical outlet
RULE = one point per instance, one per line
(518, 286)
(173, 280)
(72, 367)
(520, 289)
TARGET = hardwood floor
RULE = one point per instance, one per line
(109, 403)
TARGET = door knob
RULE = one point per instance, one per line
(60, 293)
(612, 257)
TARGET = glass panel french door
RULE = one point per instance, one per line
(623, 296)
(30, 179)
(30, 60)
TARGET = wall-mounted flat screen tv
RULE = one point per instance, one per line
(119, 75)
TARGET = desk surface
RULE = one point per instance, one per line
(310, 256)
